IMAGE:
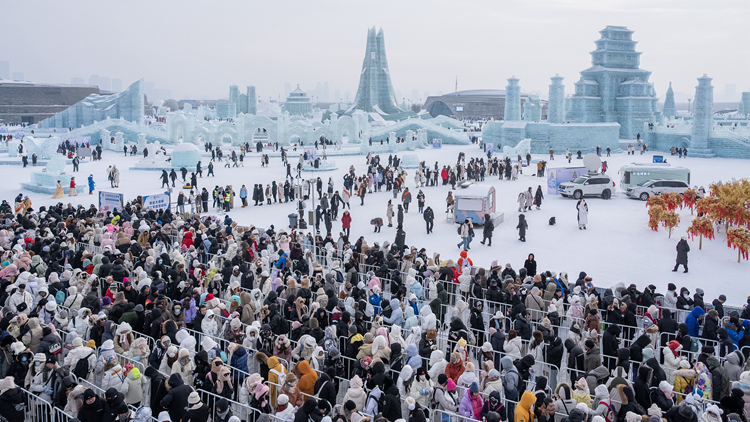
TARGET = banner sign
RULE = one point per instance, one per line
(84, 152)
(111, 199)
(157, 202)
(555, 176)
(437, 143)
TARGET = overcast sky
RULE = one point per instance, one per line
(198, 48)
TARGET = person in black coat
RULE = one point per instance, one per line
(325, 387)
(429, 218)
(158, 389)
(176, 401)
(733, 403)
(391, 402)
(636, 352)
(530, 265)
(489, 227)
(575, 359)
(711, 325)
(309, 411)
(555, 352)
(719, 305)
(197, 411)
(12, 401)
(611, 345)
(113, 399)
(416, 412)
(682, 255)
(667, 326)
(92, 409)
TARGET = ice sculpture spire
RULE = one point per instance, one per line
(512, 100)
(669, 109)
(702, 114)
(556, 107)
(375, 92)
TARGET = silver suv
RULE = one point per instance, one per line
(649, 188)
(589, 185)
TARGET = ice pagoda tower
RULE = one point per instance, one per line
(375, 92)
(614, 89)
(669, 108)
(556, 105)
(702, 118)
(512, 100)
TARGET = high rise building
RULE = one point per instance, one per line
(375, 90)
(252, 101)
(17, 76)
(4, 70)
(234, 100)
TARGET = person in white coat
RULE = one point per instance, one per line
(78, 352)
(107, 350)
(73, 302)
(18, 297)
(209, 326)
(429, 320)
(41, 376)
(184, 365)
(132, 387)
(284, 410)
(583, 214)
(356, 393)
(513, 346)
(81, 324)
(113, 374)
(437, 364)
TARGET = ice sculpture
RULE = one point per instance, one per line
(46, 181)
(43, 148)
(185, 155)
(409, 161)
(521, 149)
(128, 104)
(375, 92)
(532, 109)
(702, 118)
(556, 105)
(669, 109)
(512, 100)
(614, 88)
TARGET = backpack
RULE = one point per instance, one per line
(610, 415)
(339, 277)
(459, 229)
(82, 367)
(282, 378)
(695, 345)
(283, 324)
(60, 297)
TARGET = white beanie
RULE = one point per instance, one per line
(50, 306)
(164, 416)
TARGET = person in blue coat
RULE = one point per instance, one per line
(412, 356)
(693, 321)
(238, 361)
(375, 300)
(397, 316)
(91, 184)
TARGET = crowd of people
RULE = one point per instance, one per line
(141, 314)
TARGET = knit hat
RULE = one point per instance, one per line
(684, 364)
(77, 342)
(368, 338)
(91, 344)
(349, 405)
(590, 344)
(290, 378)
(665, 386)
(50, 306)
(6, 384)
(164, 417)
(451, 385)
(40, 357)
(442, 379)
(194, 398)
(474, 388)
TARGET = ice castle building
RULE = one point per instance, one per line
(614, 88)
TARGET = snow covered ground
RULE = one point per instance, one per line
(617, 247)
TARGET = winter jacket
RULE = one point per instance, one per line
(175, 402)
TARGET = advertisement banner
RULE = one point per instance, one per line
(84, 152)
(437, 143)
(110, 199)
(555, 176)
(159, 201)
(488, 147)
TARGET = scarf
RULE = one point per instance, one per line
(124, 341)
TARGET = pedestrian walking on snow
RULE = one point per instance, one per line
(538, 197)
(682, 254)
(429, 218)
(522, 226)
(489, 227)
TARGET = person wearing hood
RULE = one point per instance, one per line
(397, 315)
(356, 393)
(511, 382)
(693, 321)
(175, 402)
(391, 402)
(132, 388)
(308, 412)
(437, 364)
(33, 337)
(575, 358)
(325, 387)
(307, 379)
(12, 401)
(628, 404)
(524, 412)
(565, 404)
(734, 363)
(78, 352)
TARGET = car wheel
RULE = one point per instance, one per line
(644, 196)
(578, 194)
(606, 194)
